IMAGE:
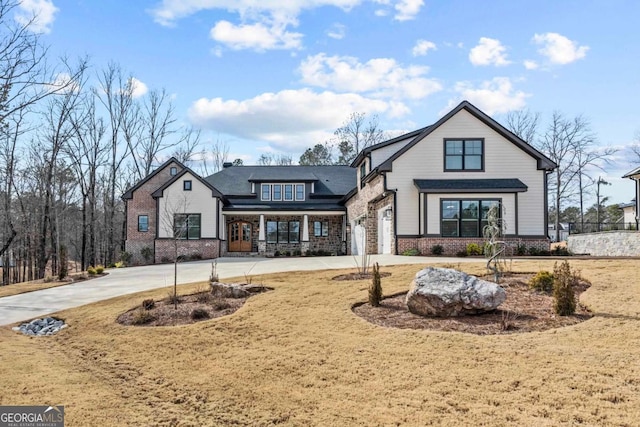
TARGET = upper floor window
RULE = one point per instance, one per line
(143, 222)
(363, 173)
(463, 155)
(282, 192)
(173, 171)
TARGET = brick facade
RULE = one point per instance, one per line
(165, 249)
(142, 203)
(452, 246)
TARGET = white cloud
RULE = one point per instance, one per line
(492, 96)
(61, 80)
(337, 31)
(530, 65)
(37, 14)
(559, 49)
(407, 9)
(255, 36)
(422, 47)
(139, 88)
(379, 77)
(489, 52)
(291, 119)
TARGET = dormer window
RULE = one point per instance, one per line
(282, 192)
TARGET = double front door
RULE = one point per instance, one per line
(240, 237)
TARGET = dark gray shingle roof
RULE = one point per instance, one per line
(328, 180)
(470, 185)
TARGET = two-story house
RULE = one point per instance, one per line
(430, 187)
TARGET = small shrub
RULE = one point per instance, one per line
(99, 269)
(287, 253)
(125, 257)
(298, 252)
(461, 254)
(118, 264)
(508, 320)
(560, 251)
(196, 256)
(564, 300)
(203, 297)
(142, 317)
(220, 305)
(411, 252)
(199, 314)
(474, 249)
(375, 289)
(533, 251)
(148, 304)
(173, 298)
(276, 254)
(48, 279)
(542, 282)
(521, 249)
(165, 260)
(437, 250)
(146, 253)
(91, 270)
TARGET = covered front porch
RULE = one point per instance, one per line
(287, 233)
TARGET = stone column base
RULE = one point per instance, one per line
(304, 247)
(262, 247)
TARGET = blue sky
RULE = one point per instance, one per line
(280, 76)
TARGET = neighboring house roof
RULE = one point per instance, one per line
(329, 181)
(159, 191)
(543, 161)
(470, 185)
(633, 173)
(383, 144)
(129, 193)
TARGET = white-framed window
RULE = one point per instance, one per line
(299, 192)
(266, 192)
(276, 192)
(288, 192)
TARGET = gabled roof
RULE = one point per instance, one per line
(633, 173)
(186, 170)
(543, 161)
(365, 152)
(329, 181)
(129, 193)
(470, 185)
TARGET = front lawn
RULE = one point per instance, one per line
(298, 355)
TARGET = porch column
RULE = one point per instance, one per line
(304, 245)
(262, 236)
(223, 228)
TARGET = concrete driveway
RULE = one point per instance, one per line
(18, 308)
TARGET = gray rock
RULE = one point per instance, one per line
(444, 292)
(228, 290)
(41, 327)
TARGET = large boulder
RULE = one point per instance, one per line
(444, 292)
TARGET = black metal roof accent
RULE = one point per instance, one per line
(470, 185)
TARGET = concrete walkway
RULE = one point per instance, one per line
(18, 308)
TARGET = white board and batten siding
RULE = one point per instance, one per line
(197, 201)
(502, 159)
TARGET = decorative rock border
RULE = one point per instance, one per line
(41, 327)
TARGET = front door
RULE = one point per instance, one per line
(240, 237)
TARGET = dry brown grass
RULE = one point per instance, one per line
(38, 285)
(299, 356)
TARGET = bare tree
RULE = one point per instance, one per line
(268, 159)
(189, 141)
(175, 223)
(356, 134)
(214, 160)
(524, 124)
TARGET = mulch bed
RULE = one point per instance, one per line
(524, 310)
(358, 276)
(165, 314)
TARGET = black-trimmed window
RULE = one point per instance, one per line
(186, 185)
(186, 226)
(321, 228)
(143, 223)
(173, 171)
(363, 172)
(283, 231)
(463, 155)
(465, 218)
